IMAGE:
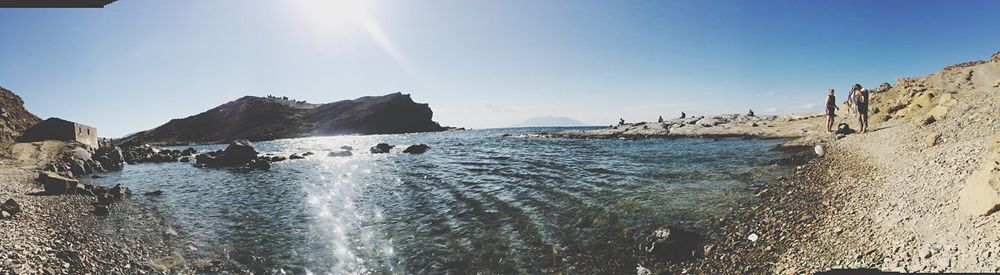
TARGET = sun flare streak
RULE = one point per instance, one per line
(333, 20)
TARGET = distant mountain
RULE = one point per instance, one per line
(14, 118)
(268, 118)
(550, 121)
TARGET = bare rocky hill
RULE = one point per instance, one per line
(14, 119)
(267, 118)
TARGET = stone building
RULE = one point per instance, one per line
(60, 129)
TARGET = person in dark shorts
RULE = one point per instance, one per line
(831, 110)
(861, 101)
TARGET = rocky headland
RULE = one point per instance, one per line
(52, 221)
(268, 118)
(14, 118)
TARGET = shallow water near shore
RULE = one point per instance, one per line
(477, 201)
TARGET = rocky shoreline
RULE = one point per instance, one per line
(895, 199)
(59, 234)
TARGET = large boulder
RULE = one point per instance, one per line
(938, 112)
(55, 183)
(240, 152)
(981, 194)
(924, 100)
(417, 149)
(381, 148)
(673, 244)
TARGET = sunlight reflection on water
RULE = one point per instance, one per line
(477, 202)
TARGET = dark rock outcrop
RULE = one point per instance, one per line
(268, 118)
(110, 158)
(381, 148)
(57, 184)
(417, 149)
(239, 154)
(14, 119)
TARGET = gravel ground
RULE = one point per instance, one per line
(58, 234)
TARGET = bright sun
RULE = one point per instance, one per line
(334, 16)
(333, 20)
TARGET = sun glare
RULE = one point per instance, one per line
(334, 16)
(333, 20)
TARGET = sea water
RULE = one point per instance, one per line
(479, 201)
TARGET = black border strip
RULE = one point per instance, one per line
(55, 3)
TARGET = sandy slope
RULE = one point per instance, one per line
(904, 214)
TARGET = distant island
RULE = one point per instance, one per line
(268, 118)
(550, 121)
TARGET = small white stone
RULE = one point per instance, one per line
(753, 237)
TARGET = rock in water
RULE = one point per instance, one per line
(239, 152)
(416, 149)
(981, 194)
(119, 192)
(11, 206)
(381, 148)
(673, 244)
(296, 156)
(189, 151)
(819, 150)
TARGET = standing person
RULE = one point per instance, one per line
(831, 110)
(851, 106)
(861, 101)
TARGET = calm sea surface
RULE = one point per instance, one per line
(477, 202)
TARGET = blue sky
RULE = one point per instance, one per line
(138, 63)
